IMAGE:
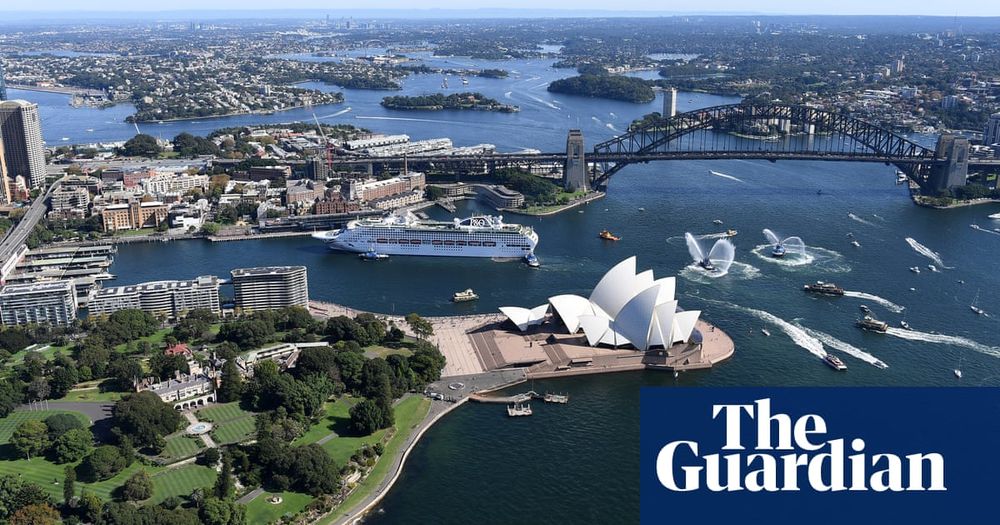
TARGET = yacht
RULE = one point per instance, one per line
(765, 332)
(731, 233)
(974, 306)
(834, 362)
(531, 261)
(864, 308)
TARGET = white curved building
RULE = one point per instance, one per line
(625, 308)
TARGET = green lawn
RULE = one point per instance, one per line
(235, 431)
(231, 423)
(180, 481)
(181, 446)
(9, 423)
(90, 394)
(260, 510)
(384, 351)
(47, 353)
(409, 413)
(335, 419)
(155, 339)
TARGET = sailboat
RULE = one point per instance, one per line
(974, 307)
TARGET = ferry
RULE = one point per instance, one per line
(823, 288)
(476, 236)
(871, 324)
(834, 362)
(531, 261)
(608, 236)
(464, 296)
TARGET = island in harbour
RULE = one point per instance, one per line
(595, 81)
(437, 102)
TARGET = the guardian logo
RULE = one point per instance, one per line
(807, 459)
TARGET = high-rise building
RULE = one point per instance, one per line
(48, 302)
(168, 298)
(669, 103)
(4, 180)
(270, 287)
(991, 135)
(3, 83)
(21, 132)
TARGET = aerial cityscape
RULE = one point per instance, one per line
(415, 265)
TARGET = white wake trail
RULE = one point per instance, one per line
(507, 94)
(891, 306)
(846, 348)
(337, 114)
(724, 176)
(980, 228)
(859, 219)
(798, 335)
(543, 102)
(926, 252)
(943, 339)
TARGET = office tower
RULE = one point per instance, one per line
(21, 132)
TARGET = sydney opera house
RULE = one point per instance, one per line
(626, 309)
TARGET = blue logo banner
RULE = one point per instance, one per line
(820, 455)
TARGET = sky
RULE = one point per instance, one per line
(843, 7)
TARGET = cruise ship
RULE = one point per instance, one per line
(476, 236)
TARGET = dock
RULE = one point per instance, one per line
(561, 399)
(518, 410)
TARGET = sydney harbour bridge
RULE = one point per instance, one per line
(738, 131)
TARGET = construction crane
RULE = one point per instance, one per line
(329, 146)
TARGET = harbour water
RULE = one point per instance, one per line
(579, 463)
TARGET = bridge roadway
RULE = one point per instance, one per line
(543, 158)
(17, 235)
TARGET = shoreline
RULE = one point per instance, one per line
(226, 115)
(593, 196)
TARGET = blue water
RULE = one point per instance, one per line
(578, 463)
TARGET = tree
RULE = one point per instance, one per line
(141, 145)
(211, 228)
(124, 371)
(426, 362)
(37, 514)
(16, 494)
(369, 416)
(145, 418)
(224, 487)
(14, 340)
(420, 326)
(210, 457)
(39, 389)
(342, 328)
(219, 512)
(59, 424)
(138, 487)
(30, 437)
(103, 463)
(195, 326)
(315, 472)
(316, 360)
(231, 387)
(10, 397)
(376, 379)
(247, 333)
(90, 506)
(165, 366)
(69, 484)
(63, 378)
(72, 445)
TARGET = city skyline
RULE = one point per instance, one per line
(527, 8)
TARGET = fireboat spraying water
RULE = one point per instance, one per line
(779, 247)
(715, 261)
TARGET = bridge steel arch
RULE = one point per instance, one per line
(652, 140)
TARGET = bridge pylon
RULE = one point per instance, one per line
(575, 169)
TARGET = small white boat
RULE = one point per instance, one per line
(856, 244)
(915, 269)
(994, 216)
(958, 373)
(905, 325)
(640, 209)
(464, 296)
(717, 221)
(932, 268)
(765, 332)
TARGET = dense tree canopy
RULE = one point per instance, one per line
(141, 145)
(145, 419)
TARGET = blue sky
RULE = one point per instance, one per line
(901, 7)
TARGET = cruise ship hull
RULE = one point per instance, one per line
(430, 242)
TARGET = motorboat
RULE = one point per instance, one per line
(905, 325)
(778, 251)
(856, 244)
(958, 373)
(372, 255)
(821, 287)
(608, 236)
(865, 309)
(915, 269)
(765, 332)
(531, 260)
(731, 233)
(464, 296)
(717, 222)
(707, 264)
(932, 268)
(834, 362)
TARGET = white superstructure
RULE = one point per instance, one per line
(477, 236)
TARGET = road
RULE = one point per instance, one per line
(19, 233)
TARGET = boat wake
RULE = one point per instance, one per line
(337, 114)
(846, 348)
(508, 94)
(980, 228)
(798, 335)
(612, 127)
(859, 219)
(943, 339)
(737, 270)
(544, 102)
(828, 260)
(724, 176)
(889, 305)
(927, 252)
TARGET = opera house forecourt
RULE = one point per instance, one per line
(629, 310)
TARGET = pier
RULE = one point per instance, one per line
(561, 399)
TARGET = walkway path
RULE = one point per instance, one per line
(250, 496)
(326, 438)
(205, 438)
